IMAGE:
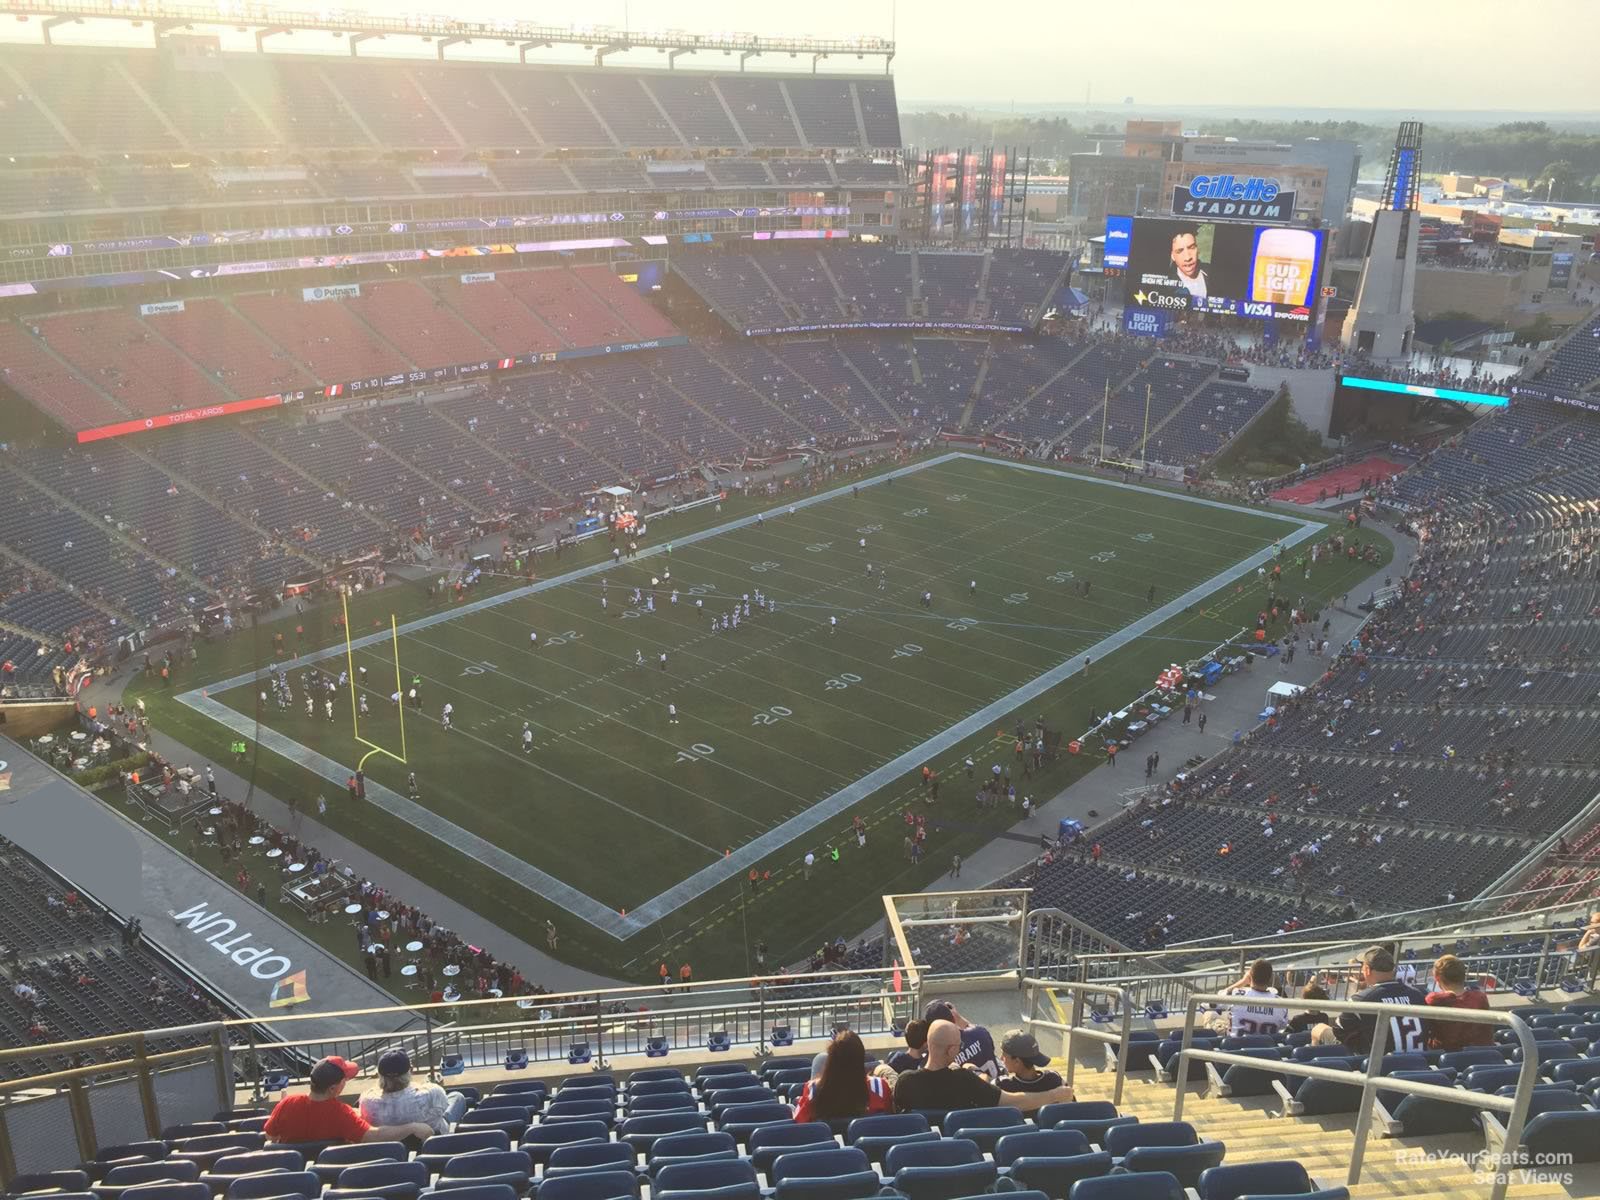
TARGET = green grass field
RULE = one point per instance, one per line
(780, 715)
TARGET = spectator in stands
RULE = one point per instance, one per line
(1262, 1016)
(943, 1084)
(1375, 972)
(1310, 1018)
(1450, 978)
(844, 1089)
(400, 1101)
(321, 1116)
(1588, 955)
(1026, 1065)
(915, 1053)
(977, 1043)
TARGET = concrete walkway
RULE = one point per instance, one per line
(535, 964)
(1239, 699)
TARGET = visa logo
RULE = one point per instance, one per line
(1256, 308)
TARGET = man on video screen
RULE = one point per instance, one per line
(1187, 268)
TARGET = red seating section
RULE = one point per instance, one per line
(118, 354)
(118, 364)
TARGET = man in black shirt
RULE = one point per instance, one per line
(1379, 986)
(915, 1053)
(941, 1086)
(1026, 1065)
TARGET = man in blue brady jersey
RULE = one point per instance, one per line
(977, 1044)
(1376, 968)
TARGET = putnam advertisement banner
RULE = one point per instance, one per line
(337, 291)
(478, 277)
(155, 310)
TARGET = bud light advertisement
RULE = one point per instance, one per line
(1145, 322)
(1261, 272)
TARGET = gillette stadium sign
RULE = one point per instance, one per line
(1240, 197)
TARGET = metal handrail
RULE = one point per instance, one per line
(1516, 1105)
(1075, 1028)
(1458, 927)
(591, 996)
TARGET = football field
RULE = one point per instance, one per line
(669, 754)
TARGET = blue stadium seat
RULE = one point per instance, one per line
(857, 1186)
(641, 1132)
(767, 1142)
(335, 1159)
(517, 1059)
(719, 1042)
(1575, 1133)
(513, 1167)
(727, 1177)
(781, 1035)
(1123, 1138)
(739, 1077)
(452, 1064)
(1039, 1143)
(985, 1126)
(70, 1180)
(1475, 1056)
(1490, 1079)
(1056, 1176)
(436, 1151)
(177, 1133)
(1423, 1116)
(1243, 1081)
(590, 1185)
(541, 1141)
(390, 1180)
(656, 1047)
(581, 1110)
(589, 1156)
(722, 1100)
(478, 1191)
(655, 1075)
(231, 1166)
(1547, 1052)
(132, 1174)
(939, 1170)
(269, 1184)
(690, 1147)
(1186, 1163)
(1579, 1071)
(639, 1088)
(1283, 1177)
(818, 1164)
(1154, 1186)
(129, 1152)
(168, 1191)
(579, 1053)
(1074, 1110)
(742, 1118)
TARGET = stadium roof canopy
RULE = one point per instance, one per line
(269, 20)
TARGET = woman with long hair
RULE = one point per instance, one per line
(844, 1089)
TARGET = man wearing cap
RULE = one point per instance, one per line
(1379, 986)
(943, 1085)
(1023, 1060)
(398, 1100)
(977, 1043)
(322, 1117)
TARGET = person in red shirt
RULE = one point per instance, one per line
(321, 1116)
(843, 1088)
(1450, 973)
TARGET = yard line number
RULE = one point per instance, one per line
(843, 680)
(772, 715)
(696, 752)
(479, 668)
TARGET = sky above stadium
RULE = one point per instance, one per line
(1357, 54)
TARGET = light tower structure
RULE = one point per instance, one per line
(1381, 322)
